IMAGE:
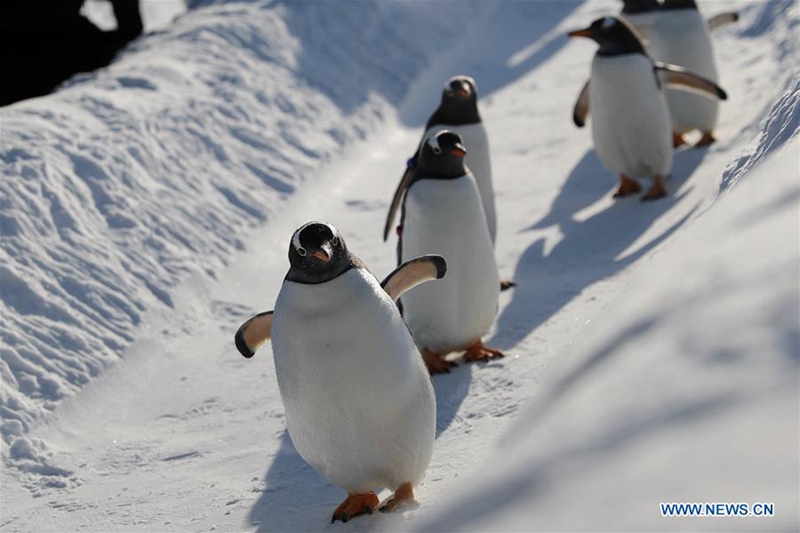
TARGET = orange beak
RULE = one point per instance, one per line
(322, 256)
(458, 151)
(581, 33)
(462, 93)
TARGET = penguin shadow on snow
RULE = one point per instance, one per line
(589, 250)
(295, 497)
(512, 40)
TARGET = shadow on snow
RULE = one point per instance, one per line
(589, 251)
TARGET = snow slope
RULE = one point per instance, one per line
(150, 206)
(129, 182)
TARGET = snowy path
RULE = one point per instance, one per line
(184, 434)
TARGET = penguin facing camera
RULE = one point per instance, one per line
(360, 406)
(458, 112)
(442, 214)
(631, 126)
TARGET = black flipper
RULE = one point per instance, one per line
(399, 193)
(581, 110)
(684, 79)
(723, 19)
(412, 273)
(254, 333)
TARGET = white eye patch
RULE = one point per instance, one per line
(334, 232)
(608, 22)
(296, 237)
(433, 142)
(296, 242)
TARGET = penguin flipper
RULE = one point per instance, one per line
(254, 333)
(680, 78)
(581, 110)
(412, 273)
(405, 181)
(723, 19)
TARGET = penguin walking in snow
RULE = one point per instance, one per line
(360, 406)
(458, 112)
(441, 213)
(631, 127)
(681, 36)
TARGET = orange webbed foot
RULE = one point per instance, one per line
(354, 505)
(403, 497)
(626, 187)
(706, 139)
(479, 352)
(436, 363)
(656, 191)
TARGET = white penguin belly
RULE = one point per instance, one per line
(443, 217)
(630, 119)
(682, 38)
(359, 403)
(479, 162)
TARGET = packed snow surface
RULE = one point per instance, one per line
(146, 212)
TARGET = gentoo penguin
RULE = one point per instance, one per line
(458, 112)
(640, 14)
(359, 403)
(631, 125)
(681, 36)
(442, 214)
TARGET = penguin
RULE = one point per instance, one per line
(631, 126)
(680, 35)
(360, 406)
(640, 14)
(442, 214)
(458, 112)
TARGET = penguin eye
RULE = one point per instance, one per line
(301, 251)
(335, 241)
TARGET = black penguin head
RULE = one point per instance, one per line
(442, 155)
(459, 103)
(317, 254)
(640, 6)
(614, 36)
(459, 90)
(679, 4)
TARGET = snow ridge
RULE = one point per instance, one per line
(778, 21)
(780, 126)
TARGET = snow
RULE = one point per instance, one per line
(147, 210)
